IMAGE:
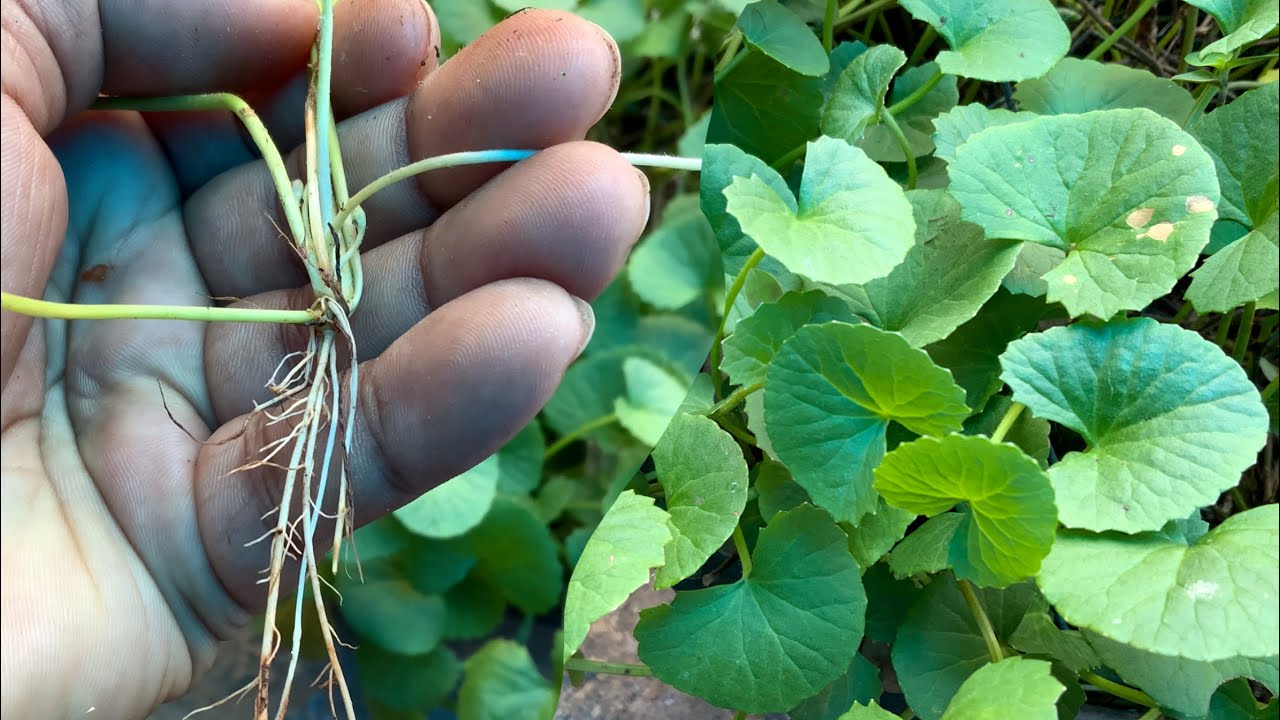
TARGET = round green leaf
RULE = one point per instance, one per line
(1012, 516)
(391, 614)
(1170, 421)
(948, 274)
(830, 393)
(953, 128)
(765, 108)
(721, 164)
(678, 262)
(1126, 194)
(451, 509)
(1183, 686)
(851, 225)
(758, 337)
(704, 477)
(773, 639)
(925, 549)
(516, 553)
(1014, 687)
(1206, 600)
(1243, 272)
(774, 30)
(1076, 86)
(1239, 138)
(624, 20)
(653, 394)
(861, 684)
(939, 644)
(997, 40)
(616, 560)
(473, 609)
(859, 92)
(502, 683)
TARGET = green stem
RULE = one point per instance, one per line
(1152, 714)
(926, 39)
(75, 311)
(741, 714)
(1224, 329)
(252, 123)
(1183, 313)
(568, 438)
(1237, 498)
(717, 353)
(1121, 31)
(1125, 692)
(1245, 333)
(906, 102)
(607, 668)
(1006, 422)
(856, 15)
(984, 622)
(829, 26)
(1188, 36)
(886, 117)
(733, 400)
(744, 556)
(1205, 95)
(731, 46)
(794, 154)
(907, 714)
(324, 114)
(738, 433)
(483, 157)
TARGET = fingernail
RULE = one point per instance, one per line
(648, 199)
(588, 322)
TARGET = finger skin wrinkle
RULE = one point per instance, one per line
(40, 40)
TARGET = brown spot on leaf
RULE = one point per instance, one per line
(1140, 217)
(1160, 231)
(1199, 203)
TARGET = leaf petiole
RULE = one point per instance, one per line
(984, 622)
(578, 664)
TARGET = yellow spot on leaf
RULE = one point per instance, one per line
(1140, 217)
(1199, 204)
(1178, 150)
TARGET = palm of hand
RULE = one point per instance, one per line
(124, 557)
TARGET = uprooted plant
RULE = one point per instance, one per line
(325, 226)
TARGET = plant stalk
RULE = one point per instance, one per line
(717, 353)
(984, 622)
(577, 664)
(1006, 422)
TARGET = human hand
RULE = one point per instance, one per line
(124, 557)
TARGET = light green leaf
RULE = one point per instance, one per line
(1246, 154)
(777, 32)
(758, 337)
(775, 490)
(852, 223)
(765, 108)
(1037, 635)
(870, 711)
(502, 683)
(1210, 599)
(721, 164)
(861, 684)
(1242, 21)
(517, 554)
(767, 642)
(954, 127)
(1180, 685)
(860, 91)
(939, 645)
(1011, 517)
(948, 274)
(1170, 421)
(1014, 687)
(997, 40)
(704, 477)
(451, 509)
(623, 19)
(678, 262)
(1076, 85)
(829, 396)
(1126, 194)
(653, 394)
(925, 550)
(390, 613)
(972, 351)
(876, 533)
(917, 119)
(1244, 272)
(616, 560)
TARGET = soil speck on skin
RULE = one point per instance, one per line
(97, 273)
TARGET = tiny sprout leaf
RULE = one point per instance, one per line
(1246, 154)
(626, 544)
(852, 223)
(774, 30)
(925, 550)
(859, 92)
(829, 396)
(1076, 86)
(1180, 685)
(939, 644)
(757, 338)
(1011, 517)
(1014, 687)
(502, 683)
(1243, 272)
(704, 476)
(773, 639)
(948, 274)
(1126, 194)
(997, 40)
(1170, 421)
(1210, 599)
(954, 127)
